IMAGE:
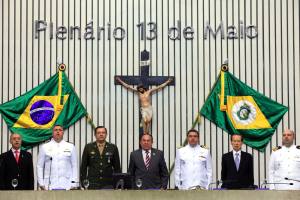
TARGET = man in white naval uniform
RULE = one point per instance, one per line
(284, 165)
(193, 168)
(57, 163)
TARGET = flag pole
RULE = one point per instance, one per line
(224, 68)
(62, 68)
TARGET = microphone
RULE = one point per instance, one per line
(290, 179)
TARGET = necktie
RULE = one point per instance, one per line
(17, 155)
(237, 161)
(147, 161)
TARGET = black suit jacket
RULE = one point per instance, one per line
(233, 179)
(156, 177)
(10, 169)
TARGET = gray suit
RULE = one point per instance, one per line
(156, 177)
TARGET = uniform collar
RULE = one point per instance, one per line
(103, 144)
(193, 147)
(288, 148)
(59, 143)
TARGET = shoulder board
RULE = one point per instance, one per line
(47, 141)
(109, 144)
(276, 148)
(298, 147)
(180, 147)
(203, 146)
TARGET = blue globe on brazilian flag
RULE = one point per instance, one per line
(238, 109)
(34, 113)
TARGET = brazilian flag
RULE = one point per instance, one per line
(33, 114)
(238, 109)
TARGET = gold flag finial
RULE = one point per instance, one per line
(61, 67)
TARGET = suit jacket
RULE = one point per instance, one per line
(237, 179)
(156, 177)
(98, 169)
(22, 171)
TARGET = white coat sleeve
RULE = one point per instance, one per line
(177, 170)
(40, 166)
(272, 171)
(209, 170)
(74, 177)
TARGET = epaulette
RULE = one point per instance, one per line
(179, 147)
(298, 147)
(276, 148)
(47, 141)
(203, 146)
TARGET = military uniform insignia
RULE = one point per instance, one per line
(203, 146)
(109, 155)
(298, 147)
(92, 152)
(276, 148)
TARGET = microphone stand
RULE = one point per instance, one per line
(266, 183)
(49, 181)
(290, 179)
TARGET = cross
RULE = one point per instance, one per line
(144, 78)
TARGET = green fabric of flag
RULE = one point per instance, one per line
(33, 114)
(242, 110)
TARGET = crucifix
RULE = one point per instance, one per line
(143, 82)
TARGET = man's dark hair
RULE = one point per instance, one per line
(58, 125)
(231, 136)
(141, 136)
(100, 127)
(192, 131)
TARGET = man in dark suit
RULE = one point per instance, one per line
(16, 164)
(237, 166)
(148, 165)
(100, 159)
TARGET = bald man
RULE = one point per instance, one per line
(284, 165)
(16, 164)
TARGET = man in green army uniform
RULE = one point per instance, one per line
(100, 159)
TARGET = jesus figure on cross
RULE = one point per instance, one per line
(145, 101)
